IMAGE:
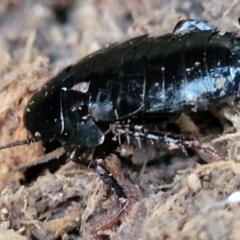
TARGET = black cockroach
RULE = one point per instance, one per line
(140, 82)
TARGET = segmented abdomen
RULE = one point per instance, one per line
(174, 72)
(191, 71)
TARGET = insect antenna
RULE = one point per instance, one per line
(23, 142)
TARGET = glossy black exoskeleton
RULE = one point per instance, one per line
(142, 81)
(143, 78)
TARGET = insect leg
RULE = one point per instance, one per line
(98, 156)
(76, 153)
(109, 180)
(200, 145)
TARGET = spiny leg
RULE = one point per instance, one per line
(182, 141)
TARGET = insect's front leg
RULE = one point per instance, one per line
(100, 153)
(76, 153)
(109, 180)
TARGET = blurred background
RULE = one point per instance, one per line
(67, 30)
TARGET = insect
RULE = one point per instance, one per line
(126, 88)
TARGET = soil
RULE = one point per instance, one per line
(172, 195)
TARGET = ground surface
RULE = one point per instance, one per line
(175, 197)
